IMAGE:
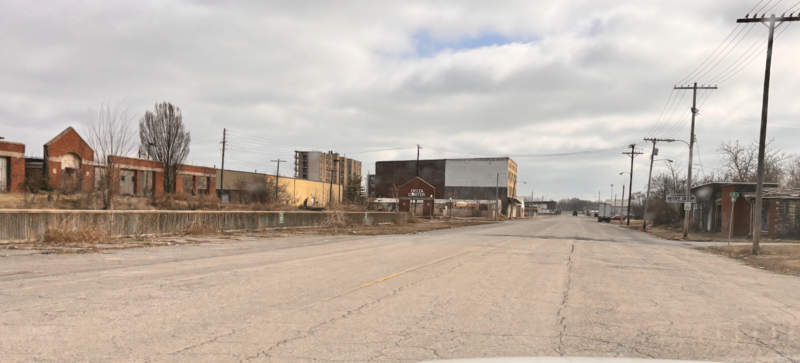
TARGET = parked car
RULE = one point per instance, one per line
(618, 218)
(574, 213)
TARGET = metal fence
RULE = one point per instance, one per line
(21, 225)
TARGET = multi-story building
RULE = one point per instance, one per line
(325, 167)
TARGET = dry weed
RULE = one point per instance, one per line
(335, 218)
(196, 228)
(63, 235)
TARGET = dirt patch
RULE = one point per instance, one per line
(780, 259)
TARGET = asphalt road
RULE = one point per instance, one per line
(546, 287)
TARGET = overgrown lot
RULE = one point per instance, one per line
(780, 259)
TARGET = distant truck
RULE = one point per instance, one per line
(605, 212)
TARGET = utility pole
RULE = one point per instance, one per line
(222, 171)
(633, 154)
(277, 175)
(496, 193)
(762, 138)
(650, 177)
(694, 110)
(622, 205)
(418, 148)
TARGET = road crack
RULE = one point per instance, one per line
(564, 299)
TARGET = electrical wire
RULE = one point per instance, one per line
(791, 9)
(747, 53)
(762, 8)
(666, 121)
(749, 29)
(773, 7)
(709, 56)
(723, 51)
(754, 58)
(662, 113)
(754, 7)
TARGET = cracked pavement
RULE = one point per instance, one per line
(544, 287)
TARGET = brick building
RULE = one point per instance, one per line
(145, 178)
(68, 163)
(712, 212)
(12, 166)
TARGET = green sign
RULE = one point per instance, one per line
(734, 195)
(280, 219)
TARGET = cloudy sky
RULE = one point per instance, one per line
(465, 78)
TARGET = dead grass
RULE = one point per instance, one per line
(86, 235)
(780, 259)
(198, 229)
(335, 218)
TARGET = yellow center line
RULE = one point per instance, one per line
(400, 273)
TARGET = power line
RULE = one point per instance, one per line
(759, 10)
(666, 121)
(773, 6)
(663, 111)
(720, 53)
(709, 56)
(734, 63)
(754, 58)
(754, 7)
(729, 52)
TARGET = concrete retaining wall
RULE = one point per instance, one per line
(17, 225)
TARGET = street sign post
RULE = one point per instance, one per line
(280, 219)
(734, 195)
(681, 198)
(687, 206)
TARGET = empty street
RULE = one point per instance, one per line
(551, 286)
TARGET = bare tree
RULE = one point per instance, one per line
(163, 138)
(111, 135)
(665, 183)
(739, 162)
(792, 179)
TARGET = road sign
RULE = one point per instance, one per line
(280, 219)
(734, 195)
(687, 206)
(681, 198)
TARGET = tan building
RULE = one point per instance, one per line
(315, 192)
(325, 167)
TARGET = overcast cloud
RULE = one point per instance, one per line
(478, 77)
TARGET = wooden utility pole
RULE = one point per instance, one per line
(650, 177)
(633, 154)
(418, 148)
(222, 170)
(622, 205)
(762, 137)
(694, 110)
(277, 175)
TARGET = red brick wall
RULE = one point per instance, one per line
(741, 217)
(53, 173)
(158, 176)
(179, 183)
(69, 142)
(123, 161)
(158, 184)
(16, 165)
